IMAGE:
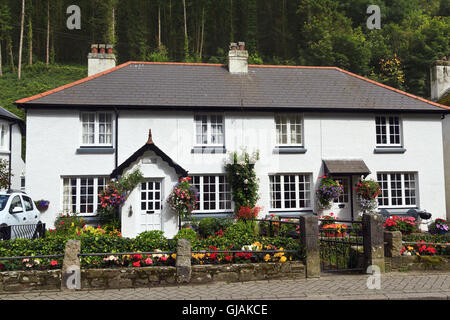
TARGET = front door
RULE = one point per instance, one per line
(150, 205)
(341, 206)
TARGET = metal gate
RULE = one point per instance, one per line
(341, 246)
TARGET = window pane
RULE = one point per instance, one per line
(281, 128)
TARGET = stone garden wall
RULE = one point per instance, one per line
(117, 278)
(416, 263)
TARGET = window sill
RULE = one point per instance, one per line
(95, 150)
(206, 149)
(296, 213)
(213, 215)
(389, 150)
(289, 149)
(4, 151)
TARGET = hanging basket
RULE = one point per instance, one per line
(42, 205)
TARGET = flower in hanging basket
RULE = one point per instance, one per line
(328, 191)
(42, 205)
(184, 198)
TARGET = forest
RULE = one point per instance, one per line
(35, 40)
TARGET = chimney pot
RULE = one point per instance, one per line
(109, 48)
(94, 48)
(241, 45)
(99, 60)
(233, 46)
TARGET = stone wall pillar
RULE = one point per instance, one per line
(373, 239)
(71, 271)
(183, 262)
(392, 244)
(309, 239)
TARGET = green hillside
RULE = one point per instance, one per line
(36, 79)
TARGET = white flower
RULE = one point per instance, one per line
(246, 181)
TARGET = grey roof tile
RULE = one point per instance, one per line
(180, 85)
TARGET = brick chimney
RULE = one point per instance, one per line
(440, 78)
(238, 58)
(101, 58)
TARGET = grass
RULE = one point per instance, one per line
(35, 79)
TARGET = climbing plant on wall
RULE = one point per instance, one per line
(242, 178)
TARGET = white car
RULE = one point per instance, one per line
(19, 217)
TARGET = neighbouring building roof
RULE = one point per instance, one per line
(5, 114)
(346, 167)
(210, 86)
(149, 146)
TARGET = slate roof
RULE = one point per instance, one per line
(182, 85)
(346, 167)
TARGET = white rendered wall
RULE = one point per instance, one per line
(53, 137)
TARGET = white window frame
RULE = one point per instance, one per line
(403, 189)
(388, 131)
(4, 136)
(208, 130)
(97, 129)
(297, 190)
(289, 117)
(96, 202)
(217, 194)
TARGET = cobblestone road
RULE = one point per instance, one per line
(412, 285)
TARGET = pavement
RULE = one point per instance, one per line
(392, 286)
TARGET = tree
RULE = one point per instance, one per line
(5, 20)
(19, 72)
(47, 56)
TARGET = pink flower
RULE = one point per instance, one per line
(148, 261)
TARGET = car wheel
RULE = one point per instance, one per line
(5, 232)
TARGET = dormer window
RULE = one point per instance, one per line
(96, 129)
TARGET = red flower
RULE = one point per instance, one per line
(228, 258)
(137, 264)
(54, 262)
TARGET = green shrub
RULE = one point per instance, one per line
(186, 234)
(151, 240)
(67, 224)
(209, 226)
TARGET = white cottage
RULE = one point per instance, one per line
(305, 121)
(11, 130)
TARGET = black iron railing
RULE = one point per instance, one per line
(26, 231)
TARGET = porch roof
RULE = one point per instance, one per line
(149, 146)
(346, 166)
